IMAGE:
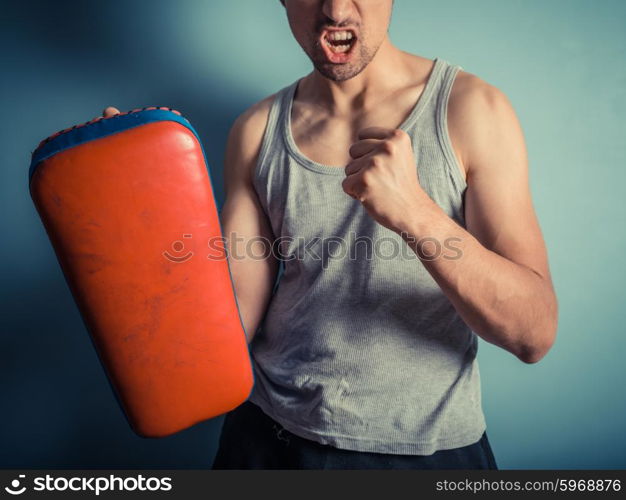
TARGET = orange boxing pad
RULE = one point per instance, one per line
(129, 208)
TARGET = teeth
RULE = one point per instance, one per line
(340, 35)
(339, 48)
(337, 37)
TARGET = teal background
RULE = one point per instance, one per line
(560, 62)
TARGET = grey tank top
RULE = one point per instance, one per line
(359, 347)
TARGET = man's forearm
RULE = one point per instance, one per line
(506, 303)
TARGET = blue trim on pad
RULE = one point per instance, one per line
(102, 128)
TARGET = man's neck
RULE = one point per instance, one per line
(387, 72)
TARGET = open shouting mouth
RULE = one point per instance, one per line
(338, 44)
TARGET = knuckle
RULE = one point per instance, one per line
(400, 135)
(376, 162)
(366, 178)
(388, 147)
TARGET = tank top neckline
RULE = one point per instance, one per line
(307, 162)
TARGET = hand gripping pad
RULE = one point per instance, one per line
(128, 206)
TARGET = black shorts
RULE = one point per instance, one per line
(252, 440)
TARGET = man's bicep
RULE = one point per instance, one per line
(498, 206)
(244, 220)
(252, 265)
(242, 216)
(245, 225)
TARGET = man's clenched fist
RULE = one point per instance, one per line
(383, 176)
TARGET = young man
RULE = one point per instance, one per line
(368, 359)
(397, 187)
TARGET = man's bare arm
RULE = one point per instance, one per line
(244, 221)
(501, 285)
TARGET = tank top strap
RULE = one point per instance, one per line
(429, 101)
(273, 126)
(441, 123)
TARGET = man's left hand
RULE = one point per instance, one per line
(383, 176)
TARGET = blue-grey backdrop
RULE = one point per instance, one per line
(560, 62)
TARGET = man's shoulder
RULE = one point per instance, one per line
(245, 139)
(468, 89)
(479, 115)
(251, 123)
(471, 91)
(246, 133)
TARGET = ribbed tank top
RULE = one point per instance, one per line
(359, 347)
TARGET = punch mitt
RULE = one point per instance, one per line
(129, 208)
